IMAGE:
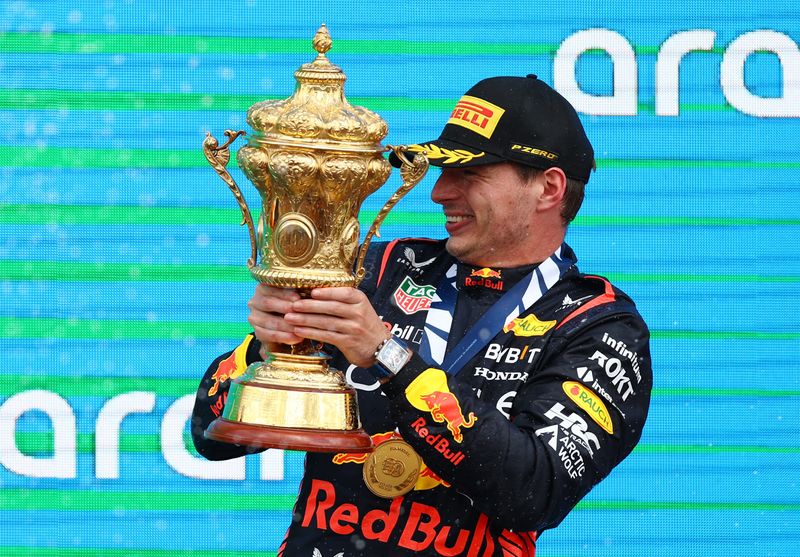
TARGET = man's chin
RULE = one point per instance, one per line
(457, 249)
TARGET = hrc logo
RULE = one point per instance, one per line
(477, 115)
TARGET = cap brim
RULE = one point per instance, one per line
(447, 154)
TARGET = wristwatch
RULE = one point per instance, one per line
(390, 357)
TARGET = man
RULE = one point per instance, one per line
(519, 381)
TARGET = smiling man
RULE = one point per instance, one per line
(499, 383)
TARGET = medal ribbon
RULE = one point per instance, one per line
(511, 305)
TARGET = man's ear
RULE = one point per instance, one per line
(554, 186)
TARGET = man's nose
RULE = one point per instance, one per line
(443, 189)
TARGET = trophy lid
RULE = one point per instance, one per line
(317, 115)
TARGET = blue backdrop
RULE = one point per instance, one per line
(122, 265)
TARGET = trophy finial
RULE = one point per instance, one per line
(322, 41)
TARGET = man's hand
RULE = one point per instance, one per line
(340, 316)
(267, 307)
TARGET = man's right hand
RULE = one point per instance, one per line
(267, 308)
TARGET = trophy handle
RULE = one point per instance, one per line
(218, 158)
(411, 172)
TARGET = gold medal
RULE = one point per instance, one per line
(392, 469)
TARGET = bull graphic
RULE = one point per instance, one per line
(225, 371)
(445, 408)
(361, 458)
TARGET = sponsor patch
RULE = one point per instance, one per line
(429, 392)
(477, 115)
(231, 367)
(566, 448)
(410, 297)
(410, 525)
(509, 355)
(616, 372)
(622, 350)
(575, 425)
(486, 277)
(529, 326)
(590, 403)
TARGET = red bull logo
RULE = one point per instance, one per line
(430, 392)
(486, 277)
(445, 408)
(428, 479)
(486, 272)
(231, 367)
(361, 458)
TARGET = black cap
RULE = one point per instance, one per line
(519, 119)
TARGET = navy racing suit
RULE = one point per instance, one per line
(510, 441)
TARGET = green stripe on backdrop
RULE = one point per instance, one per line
(20, 551)
(65, 43)
(87, 500)
(710, 506)
(140, 272)
(98, 329)
(150, 443)
(84, 157)
(101, 500)
(42, 442)
(121, 272)
(129, 215)
(109, 386)
(22, 328)
(56, 99)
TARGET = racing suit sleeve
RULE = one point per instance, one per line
(561, 438)
(213, 390)
(212, 394)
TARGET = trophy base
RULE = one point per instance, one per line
(293, 439)
(295, 402)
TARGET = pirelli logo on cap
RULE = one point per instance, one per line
(476, 115)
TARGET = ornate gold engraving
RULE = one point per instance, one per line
(314, 158)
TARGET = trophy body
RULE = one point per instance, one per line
(313, 158)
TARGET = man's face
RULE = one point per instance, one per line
(490, 214)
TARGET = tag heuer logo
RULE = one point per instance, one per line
(411, 297)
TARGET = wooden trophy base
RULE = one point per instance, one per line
(290, 438)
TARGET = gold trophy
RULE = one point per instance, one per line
(313, 158)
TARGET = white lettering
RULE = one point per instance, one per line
(491, 375)
(107, 429)
(732, 74)
(505, 403)
(616, 372)
(624, 100)
(575, 425)
(63, 463)
(510, 355)
(668, 66)
(180, 459)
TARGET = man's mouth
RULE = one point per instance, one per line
(454, 219)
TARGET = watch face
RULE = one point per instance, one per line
(394, 356)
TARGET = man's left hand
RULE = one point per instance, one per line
(343, 317)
